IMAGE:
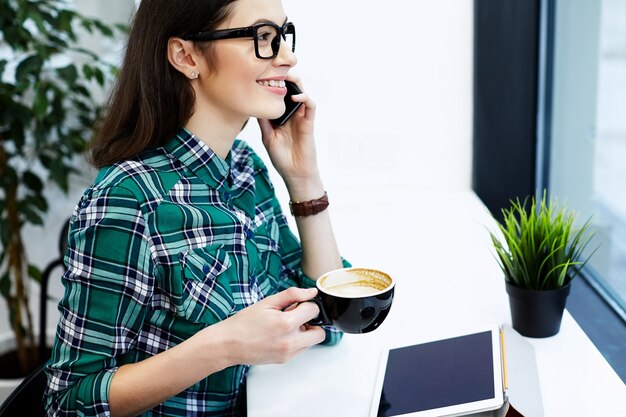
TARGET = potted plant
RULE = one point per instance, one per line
(539, 251)
(47, 112)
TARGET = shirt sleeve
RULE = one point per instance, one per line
(108, 284)
(291, 274)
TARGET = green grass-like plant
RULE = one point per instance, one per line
(541, 249)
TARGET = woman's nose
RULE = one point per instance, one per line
(285, 54)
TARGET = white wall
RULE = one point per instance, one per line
(393, 84)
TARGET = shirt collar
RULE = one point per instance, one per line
(199, 158)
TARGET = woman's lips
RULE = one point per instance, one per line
(272, 83)
(274, 86)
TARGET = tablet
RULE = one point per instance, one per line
(447, 377)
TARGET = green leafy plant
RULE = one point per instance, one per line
(540, 248)
(47, 112)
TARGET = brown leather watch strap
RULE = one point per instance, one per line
(309, 208)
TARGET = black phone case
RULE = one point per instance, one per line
(290, 106)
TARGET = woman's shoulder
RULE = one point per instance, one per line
(148, 177)
(129, 175)
(150, 174)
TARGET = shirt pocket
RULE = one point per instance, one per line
(266, 237)
(268, 259)
(206, 289)
(266, 241)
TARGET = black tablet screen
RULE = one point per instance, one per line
(438, 374)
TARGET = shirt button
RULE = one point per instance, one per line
(227, 196)
(206, 269)
(249, 234)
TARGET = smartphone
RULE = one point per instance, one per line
(290, 106)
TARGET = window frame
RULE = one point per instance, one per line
(498, 38)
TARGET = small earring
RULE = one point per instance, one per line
(194, 74)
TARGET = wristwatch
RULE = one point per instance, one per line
(309, 208)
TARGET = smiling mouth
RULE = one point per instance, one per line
(272, 83)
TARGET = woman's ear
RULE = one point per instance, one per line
(182, 55)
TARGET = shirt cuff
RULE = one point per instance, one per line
(333, 336)
(89, 397)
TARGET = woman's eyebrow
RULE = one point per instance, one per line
(269, 21)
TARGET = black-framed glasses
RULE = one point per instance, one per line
(267, 37)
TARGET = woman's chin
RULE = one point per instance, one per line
(275, 113)
(270, 113)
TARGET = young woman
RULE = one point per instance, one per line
(182, 270)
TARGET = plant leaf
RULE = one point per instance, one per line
(32, 181)
(30, 65)
(34, 273)
(540, 248)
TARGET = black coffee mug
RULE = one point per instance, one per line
(354, 300)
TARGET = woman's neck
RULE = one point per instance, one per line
(216, 132)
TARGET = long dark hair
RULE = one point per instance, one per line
(151, 100)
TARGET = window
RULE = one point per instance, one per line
(587, 147)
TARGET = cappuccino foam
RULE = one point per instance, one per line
(354, 289)
(357, 282)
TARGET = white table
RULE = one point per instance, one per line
(437, 247)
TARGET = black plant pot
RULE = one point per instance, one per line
(537, 313)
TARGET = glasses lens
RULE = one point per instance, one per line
(290, 36)
(268, 41)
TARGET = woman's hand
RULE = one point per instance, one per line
(272, 330)
(291, 147)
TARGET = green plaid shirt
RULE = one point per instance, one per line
(160, 247)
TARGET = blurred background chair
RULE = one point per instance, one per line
(26, 400)
(43, 298)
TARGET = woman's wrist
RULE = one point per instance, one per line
(305, 188)
(215, 347)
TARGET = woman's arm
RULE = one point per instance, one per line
(319, 247)
(292, 151)
(140, 386)
(261, 333)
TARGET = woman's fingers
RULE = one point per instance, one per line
(289, 296)
(275, 329)
(302, 314)
(313, 335)
(291, 307)
(308, 109)
(267, 130)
